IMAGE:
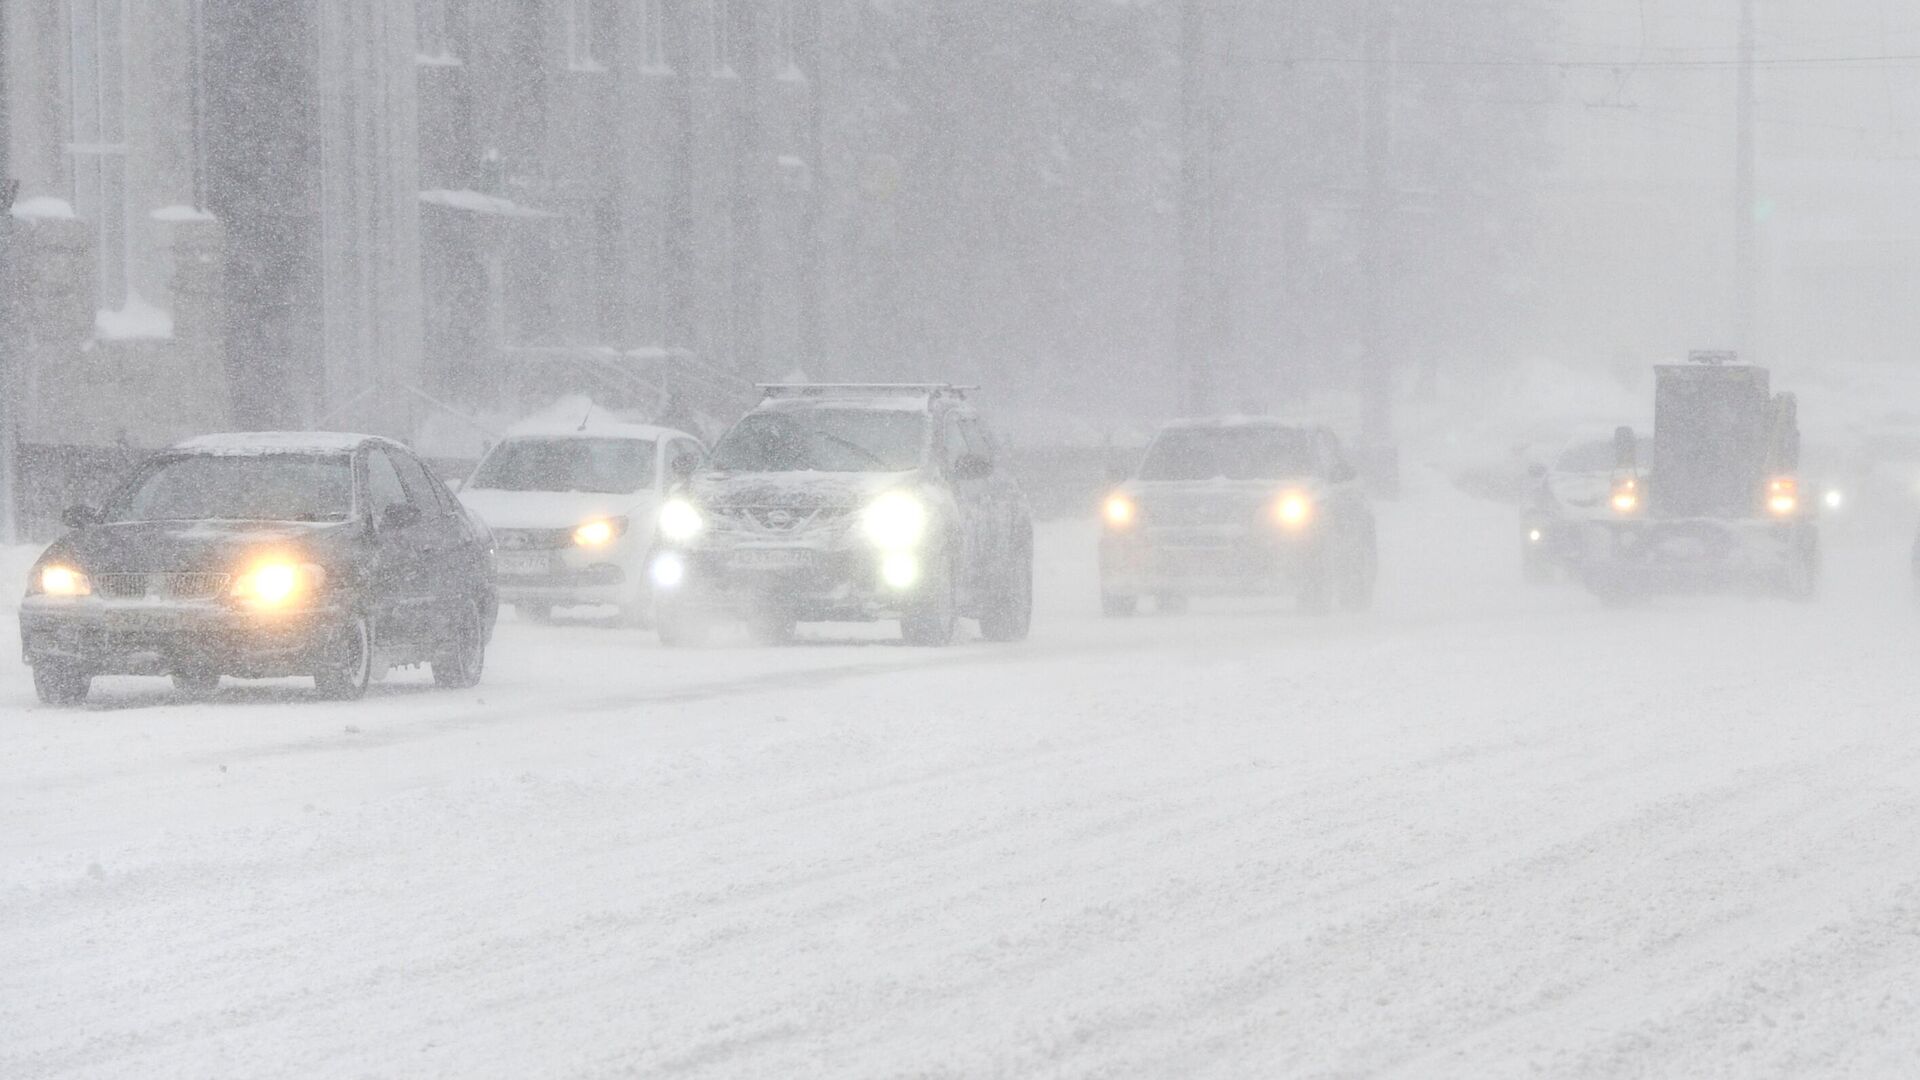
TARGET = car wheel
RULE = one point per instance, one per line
(62, 685)
(1009, 614)
(465, 658)
(198, 685)
(1116, 606)
(681, 627)
(349, 668)
(929, 622)
(1363, 570)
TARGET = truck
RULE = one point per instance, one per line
(1719, 508)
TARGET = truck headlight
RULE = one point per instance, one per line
(895, 521)
(1783, 496)
(600, 532)
(59, 580)
(1292, 510)
(1120, 512)
(680, 520)
(277, 583)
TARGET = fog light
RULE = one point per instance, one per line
(1835, 499)
(1533, 536)
(900, 571)
(669, 571)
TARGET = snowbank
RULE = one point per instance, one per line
(137, 321)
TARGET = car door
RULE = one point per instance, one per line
(443, 543)
(402, 584)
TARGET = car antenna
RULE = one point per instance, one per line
(586, 416)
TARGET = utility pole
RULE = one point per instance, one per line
(10, 329)
(1193, 344)
(1746, 271)
(1380, 459)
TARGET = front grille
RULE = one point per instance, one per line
(163, 586)
(1180, 511)
(780, 519)
(532, 539)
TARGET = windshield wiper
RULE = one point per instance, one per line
(856, 448)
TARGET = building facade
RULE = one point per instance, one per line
(379, 214)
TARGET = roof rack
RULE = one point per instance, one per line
(796, 390)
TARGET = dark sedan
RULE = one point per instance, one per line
(264, 555)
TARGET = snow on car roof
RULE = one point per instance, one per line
(277, 442)
(1212, 422)
(878, 403)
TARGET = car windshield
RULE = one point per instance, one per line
(220, 487)
(1231, 453)
(599, 466)
(825, 440)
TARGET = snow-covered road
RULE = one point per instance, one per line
(1483, 831)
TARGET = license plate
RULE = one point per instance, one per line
(772, 559)
(520, 564)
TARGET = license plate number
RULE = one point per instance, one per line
(772, 559)
(521, 565)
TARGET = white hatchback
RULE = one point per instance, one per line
(573, 513)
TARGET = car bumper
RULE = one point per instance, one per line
(1692, 554)
(808, 585)
(155, 639)
(1236, 564)
(602, 583)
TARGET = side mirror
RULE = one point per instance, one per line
(683, 466)
(79, 517)
(399, 516)
(1626, 448)
(972, 467)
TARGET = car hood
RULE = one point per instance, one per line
(1581, 490)
(550, 509)
(793, 490)
(151, 547)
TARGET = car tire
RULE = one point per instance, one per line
(465, 659)
(1117, 606)
(681, 627)
(350, 670)
(930, 621)
(61, 685)
(1009, 613)
(197, 685)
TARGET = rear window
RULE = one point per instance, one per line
(598, 466)
(1229, 453)
(266, 487)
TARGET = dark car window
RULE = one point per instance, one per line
(236, 487)
(598, 466)
(419, 483)
(953, 443)
(384, 489)
(825, 440)
(979, 440)
(1230, 453)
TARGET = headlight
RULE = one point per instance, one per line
(58, 580)
(277, 583)
(1292, 510)
(680, 520)
(895, 520)
(599, 533)
(1120, 512)
(1534, 536)
(1834, 498)
(1626, 496)
(1783, 496)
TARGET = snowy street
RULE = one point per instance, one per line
(1482, 831)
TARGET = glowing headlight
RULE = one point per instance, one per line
(276, 583)
(900, 570)
(1626, 496)
(1120, 512)
(1533, 535)
(599, 533)
(59, 580)
(1834, 498)
(669, 571)
(895, 520)
(1783, 496)
(1292, 509)
(680, 520)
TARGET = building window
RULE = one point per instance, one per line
(722, 23)
(653, 35)
(97, 49)
(434, 31)
(585, 33)
(786, 39)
